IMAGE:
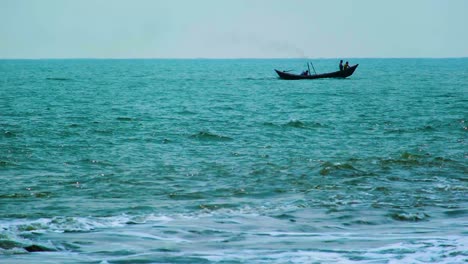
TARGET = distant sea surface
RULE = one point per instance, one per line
(219, 161)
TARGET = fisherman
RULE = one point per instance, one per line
(305, 73)
(341, 65)
(346, 66)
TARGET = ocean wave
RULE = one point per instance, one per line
(430, 127)
(451, 249)
(62, 224)
(208, 136)
(13, 242)
(104, 163)
(403, 157)
(102, 131)
(74, 125)
(410, 217)
(294, 123)
(302, 124)
(425, 128)
(345, 169)
(6, 163)
(124, 118)
(58, 79)
(409, 159)
(8, 133)
(186, 196)
(14, 195)
(18, 237)
(257, 78)
(186, 112)
(224, 225)
(457, 213)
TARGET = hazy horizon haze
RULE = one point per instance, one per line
(33, 29)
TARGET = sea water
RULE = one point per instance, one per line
(219, 161)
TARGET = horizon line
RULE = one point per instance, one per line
(226, 58)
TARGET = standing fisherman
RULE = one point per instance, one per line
(346, 66)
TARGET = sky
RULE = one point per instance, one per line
(233, 28)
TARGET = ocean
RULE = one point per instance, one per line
(219, 161)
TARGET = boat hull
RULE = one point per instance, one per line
(338, 74)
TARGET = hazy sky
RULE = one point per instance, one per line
(233, 28)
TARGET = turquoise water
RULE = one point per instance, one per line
(219, 161)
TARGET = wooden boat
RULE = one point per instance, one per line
(338, 74)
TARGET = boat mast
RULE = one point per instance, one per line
(312, 67)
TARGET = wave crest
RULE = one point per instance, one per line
(208, 136)
(410, 217)
(338, 168)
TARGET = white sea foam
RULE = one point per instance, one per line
(78, 224)
(449, 249)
